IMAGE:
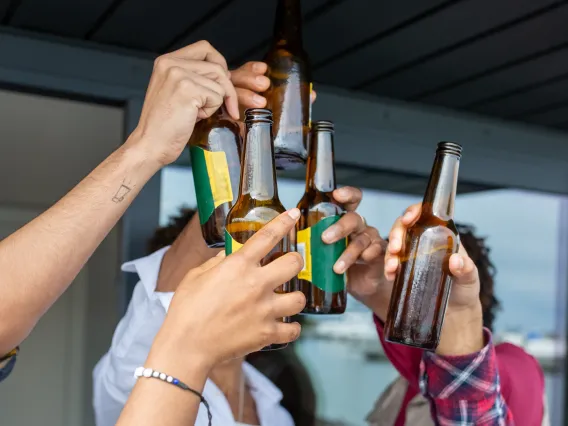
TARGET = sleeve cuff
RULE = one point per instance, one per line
(472, 377)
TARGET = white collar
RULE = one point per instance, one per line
(148, 269)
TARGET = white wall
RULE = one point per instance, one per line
(48, 145)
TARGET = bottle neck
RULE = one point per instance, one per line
(258, 175)
(320, 174)
(288, 24)
(440, 194)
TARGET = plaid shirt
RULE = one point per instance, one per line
(465, 390)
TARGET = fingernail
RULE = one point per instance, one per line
(340, 267)
(460, 262)
(392, 263)
(329, 234)
(406, 216)
(260, 80)
(395, 243)
(258, 100)
(343, 192)
(294, 214)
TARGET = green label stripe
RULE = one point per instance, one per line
(205, 201)
(323, 257)
(231, 245)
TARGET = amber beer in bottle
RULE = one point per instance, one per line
(422, 285)
(215, 147)
(324, 289)
(291, 83)
(258, 202)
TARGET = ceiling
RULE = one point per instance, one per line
(500, 58)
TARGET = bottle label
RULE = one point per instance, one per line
(212, 180)
(231, 245)
(320, 257)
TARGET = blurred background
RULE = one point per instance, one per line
(396, 77)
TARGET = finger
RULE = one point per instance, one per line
(283, 269)
(355, 248)
(271, 234)
(412, 214)
(287, 304)
(349, 196)
(313, 96)
(286, 333)
(210, 95)
(250, 80)
(463, 269)
(350, 223)
(374, 252)
(201, 51)
(255, 67)
(391, 266)
(249, 99)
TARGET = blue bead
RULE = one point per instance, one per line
(176, 381)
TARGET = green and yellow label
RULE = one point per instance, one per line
(211, 179)
(320, 257)
(231, 245)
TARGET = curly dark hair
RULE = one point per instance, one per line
(166, 235)
(479, 253)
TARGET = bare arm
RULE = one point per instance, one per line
(39, 261)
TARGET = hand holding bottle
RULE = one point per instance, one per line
(186, 85)
(227, 307)
(463, 324)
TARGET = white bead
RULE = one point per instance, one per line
(155, 374)
(147, 372)
(169, 379)
(138, 372)
(162, 376)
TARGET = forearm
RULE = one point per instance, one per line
(155, 402)
(39, 261)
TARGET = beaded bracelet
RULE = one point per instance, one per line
(150, 373)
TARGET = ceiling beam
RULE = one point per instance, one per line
(370, 131)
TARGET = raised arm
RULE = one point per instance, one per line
(39, 261)
(202, 329)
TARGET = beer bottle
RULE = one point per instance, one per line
(291, 83)
(215, 147)
(422, 285)
(258, 202)
(324, 289)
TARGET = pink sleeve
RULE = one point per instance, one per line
(522, 384)
(521, 378)
(405, 359)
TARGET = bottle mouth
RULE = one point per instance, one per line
(449, 148)
(258, 115)
(322, 125)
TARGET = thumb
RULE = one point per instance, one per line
(463, 269)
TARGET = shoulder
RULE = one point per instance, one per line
(522, 382)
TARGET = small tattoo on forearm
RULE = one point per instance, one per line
(121, 193)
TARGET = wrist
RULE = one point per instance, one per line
(139, 149)
(462, 332)
(171, 354)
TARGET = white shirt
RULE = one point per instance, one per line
(113, 376)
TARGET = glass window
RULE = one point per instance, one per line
(342, 353)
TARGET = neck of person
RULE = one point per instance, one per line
(188, 251)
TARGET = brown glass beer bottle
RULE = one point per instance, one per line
(422, 285)
(215, 148)
(324, 289)
(291, 83)
(258, 202)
